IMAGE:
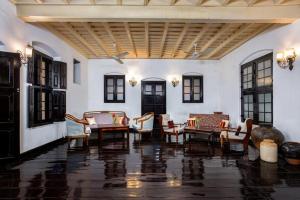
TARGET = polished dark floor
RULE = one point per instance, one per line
(149, 169)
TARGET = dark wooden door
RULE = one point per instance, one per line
(154, 99)
(10, 106)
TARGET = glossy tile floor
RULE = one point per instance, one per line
(148, 169)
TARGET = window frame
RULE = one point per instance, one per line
(257, 90)
(191, 78)
(76, 69)
(115, 78)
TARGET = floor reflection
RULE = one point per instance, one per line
(149, 169)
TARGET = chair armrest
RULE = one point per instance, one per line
(80, 121)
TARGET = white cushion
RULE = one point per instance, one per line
(136, 126)
(231, 135)
(178, 129)
(165, 119)
(226, 123)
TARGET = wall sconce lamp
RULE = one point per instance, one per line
(132, 82)
(286, 58)
(25, 55)
(175, 82)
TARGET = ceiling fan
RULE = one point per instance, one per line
(119, 56)
(196, 54)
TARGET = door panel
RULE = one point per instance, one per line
(9, 101)
(6, 72)
(154, 99)
(7, 108)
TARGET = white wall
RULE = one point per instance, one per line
(15, 34)
(164, 69)
(286, 83)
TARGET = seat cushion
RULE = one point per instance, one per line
(165, 119)
(178, 129)
(231, 135)
(91, 120)
(136, 126)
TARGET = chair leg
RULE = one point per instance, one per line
(69, 140)
(245, 145)
(222, 141)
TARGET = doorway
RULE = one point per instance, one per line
(10, 105)
(154, 100)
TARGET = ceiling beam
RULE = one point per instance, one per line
(63, 38)
(236, 34)
(111, 35)
(197, 38)
(179, 40)
(147, 39)
(39, 1)
(278, 2)
(96, 38)
(127, 28)
(238, 44)
(119, 2)
(251, 2)
(214, 38)
(173, 2)
(73, 32)
(225, 2)
(91, 13)
(163, 40)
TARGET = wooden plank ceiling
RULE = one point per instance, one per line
(156, 39)
(164, 2)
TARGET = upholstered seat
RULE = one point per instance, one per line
(231, 135)
(76, 129)
(144, 124)
(166, 130)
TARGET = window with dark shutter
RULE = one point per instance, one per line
(46, 105)
(257, 90)
(114, 88)
(192, 89)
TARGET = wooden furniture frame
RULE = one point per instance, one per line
(238, 131)
(84, 136)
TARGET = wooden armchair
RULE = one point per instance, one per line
(144, 123)
(76, 129)
(236, 135)
(164, 127)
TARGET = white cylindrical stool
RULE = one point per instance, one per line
(268, 151)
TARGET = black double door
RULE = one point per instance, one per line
(10, 104)
(154, 100)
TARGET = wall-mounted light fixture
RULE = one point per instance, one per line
(133, 82)
(175, 82)
(25, 55)
(286, 58)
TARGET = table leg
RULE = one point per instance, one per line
(100, 136)
(127, 138)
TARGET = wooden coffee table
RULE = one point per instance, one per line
(211, 132)
(103, 128)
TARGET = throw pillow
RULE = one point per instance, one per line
(222, 124)
(119, 120)
(170, 124)
(91, 120)
(191, 122)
